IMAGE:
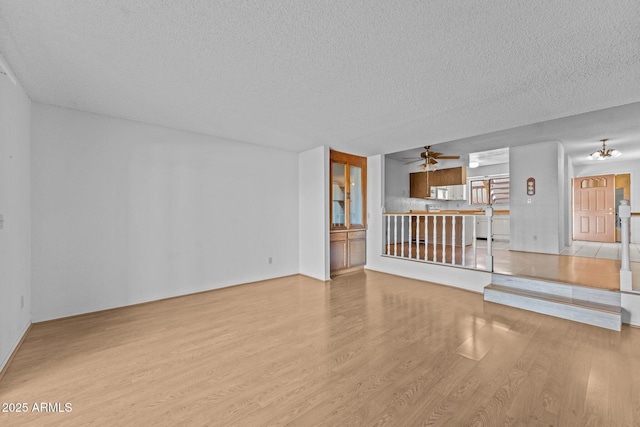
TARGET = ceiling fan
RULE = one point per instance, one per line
(430, 158)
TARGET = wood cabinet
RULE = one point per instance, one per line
(420, 183)
(418, 187)
(348, 250)
(348, 212)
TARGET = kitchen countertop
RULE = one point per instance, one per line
(450, 212)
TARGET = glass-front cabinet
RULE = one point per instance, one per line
(348, 193)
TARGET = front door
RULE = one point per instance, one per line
(594, 208)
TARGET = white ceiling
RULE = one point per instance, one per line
(366, 77)
(580, 135)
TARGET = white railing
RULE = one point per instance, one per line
(624, 213)
(441, 238)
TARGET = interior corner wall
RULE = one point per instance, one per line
(125, 212)
(15, 208)
(313, 188)
(536, 222)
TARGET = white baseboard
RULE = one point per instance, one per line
(14, 349)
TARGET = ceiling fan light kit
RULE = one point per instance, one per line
(429, 157)
(604, 152)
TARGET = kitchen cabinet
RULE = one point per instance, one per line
(500, 227)
(481, 227)
(448, 228)
(420, 183)
(449, 192)
(457, 192)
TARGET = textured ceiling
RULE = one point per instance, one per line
(367, 77)
(580, 135)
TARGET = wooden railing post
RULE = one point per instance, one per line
(624, 213)
(489, 215)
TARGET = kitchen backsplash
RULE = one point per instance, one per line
(405, 204)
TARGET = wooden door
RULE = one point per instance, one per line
(593, 208)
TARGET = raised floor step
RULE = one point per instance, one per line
(555, 302)
(567, 290)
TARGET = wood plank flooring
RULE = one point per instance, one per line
(603, 273)
(365, 349)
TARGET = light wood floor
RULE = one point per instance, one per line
(365, 349)
(600, 273)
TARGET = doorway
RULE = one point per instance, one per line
(595, 206)
(623, 191)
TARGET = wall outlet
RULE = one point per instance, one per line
(529, 201)
(270, 260)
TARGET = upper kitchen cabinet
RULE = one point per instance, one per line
(348, 191)
(420, 183)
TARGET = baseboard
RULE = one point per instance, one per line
(422, 279)
(15, 350)
(159, 298)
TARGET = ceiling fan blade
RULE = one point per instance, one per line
(448, 157)
(408, 163)
(410, 158)
(432, 161)
(434, 154)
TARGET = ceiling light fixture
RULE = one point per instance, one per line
(474, 164)
(429, 167)
(604, 152)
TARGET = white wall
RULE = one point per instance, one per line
(314, 213)
(15, 236)
(458, 277)
(568, 223)
(537, 226)
(618, 166)
(125, 212)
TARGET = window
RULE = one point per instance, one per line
(489, 191)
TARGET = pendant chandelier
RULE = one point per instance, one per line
(604, 152)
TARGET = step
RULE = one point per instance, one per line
(594, 313)
(567, 290)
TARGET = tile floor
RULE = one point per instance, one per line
(600, 250)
